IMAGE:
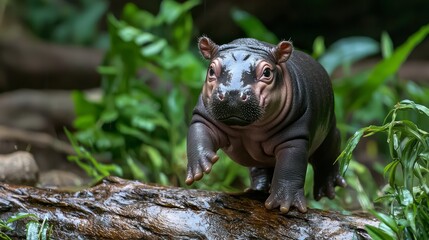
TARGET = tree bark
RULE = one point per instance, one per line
(121, 209)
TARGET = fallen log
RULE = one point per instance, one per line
(33, 64)
(37, 138)
(40, 110)
(122, 209)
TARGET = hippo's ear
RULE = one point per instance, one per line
(282, 51)
(207, 47)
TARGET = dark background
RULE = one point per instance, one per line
(302, 21)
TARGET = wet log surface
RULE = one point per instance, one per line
(122, 209)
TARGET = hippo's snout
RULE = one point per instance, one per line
(234, 96)
(235, 107)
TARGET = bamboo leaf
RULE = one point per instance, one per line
(378, 234)
(386, 219)
(389, 66)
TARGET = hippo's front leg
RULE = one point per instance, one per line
(287, 187)
(201, 149)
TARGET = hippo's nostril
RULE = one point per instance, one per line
(220, 96)
(243, 96)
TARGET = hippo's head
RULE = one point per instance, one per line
(243, 80)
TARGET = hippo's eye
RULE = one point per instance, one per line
(267, 72)
(211, 72)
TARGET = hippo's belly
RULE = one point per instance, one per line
(249, 153)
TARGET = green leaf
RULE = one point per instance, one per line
(347, 51)
(136, 171)
(346, 155)
(85, 22)
(391, 170)
(163, 179)
(84, 122)
(252, 26)
(378, 234)
(170, 11)
(138, 17)
(82, 105)
(128, 33)
(44, 230)
(404, 104)
(107, 70)
(143, 123)
(406, 197)
(20, 216)
(176, 105)
(109, 115)
(386, 45)
(107, 140)
(154, 156)
(3, 236)
(144, 38)
(410, 214)
(154, 48)
(386, 219)
(32, 230)
(389, 66)
(124, 129)
(318, 47)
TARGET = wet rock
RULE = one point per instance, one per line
(59, 179)
(19, 168)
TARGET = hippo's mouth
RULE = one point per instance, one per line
(234, 120)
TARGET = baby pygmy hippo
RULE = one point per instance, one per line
(269, 108)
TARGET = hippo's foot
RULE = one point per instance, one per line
(285, 195)
(325, 182)
(260, 179)
(199, 163)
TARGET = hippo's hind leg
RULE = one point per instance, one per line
(260, 179)
(326, 172)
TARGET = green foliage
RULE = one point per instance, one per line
(407, 196)
(368, 95)
(252, 26)
(67, 22)
(35, 230)
(142, 128)
(88, 163)
(346, 51)
(151, 81)
(388, 67)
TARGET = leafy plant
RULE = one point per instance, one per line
(151, 82)
(141, 126)
(368, 95)
(84, 159)
(252, 26)
(360, 102)
(35, 230)
(407, 196)
(66, 22)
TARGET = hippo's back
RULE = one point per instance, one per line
(313, 97)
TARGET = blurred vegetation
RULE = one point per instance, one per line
(67, 22)
(141, 121)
